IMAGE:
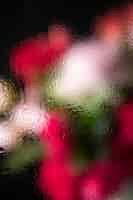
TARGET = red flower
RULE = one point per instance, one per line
(122, 143)
(102, 179)
(59, 38)
(33, 56)
(55, 137)
(56, 175)
(57, 179)
(110, 26)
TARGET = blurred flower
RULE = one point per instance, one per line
(58, 180)
(57, 175)
(34, 56)
(85, 75)
(55, 137)
(102, 180)
(122, 143)
(59, 37)
(110, 27)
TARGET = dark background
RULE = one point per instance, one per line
(21, 19)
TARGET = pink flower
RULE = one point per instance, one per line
(35, 55)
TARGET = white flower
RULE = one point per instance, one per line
(83, 71)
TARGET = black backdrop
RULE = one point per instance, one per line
(22, 19)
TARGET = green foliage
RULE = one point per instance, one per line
(23, 156)
(90, 132)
